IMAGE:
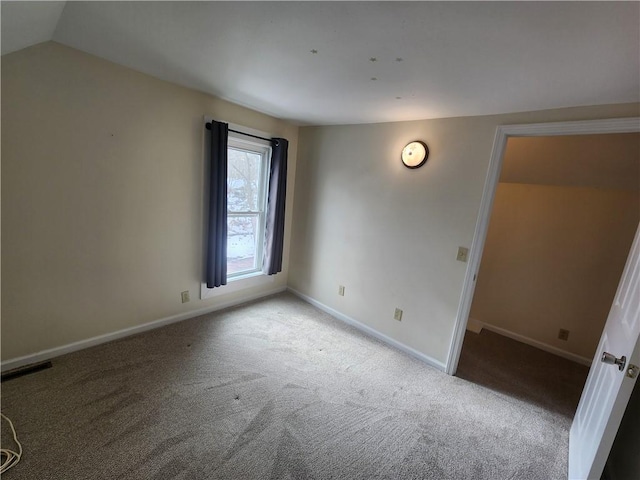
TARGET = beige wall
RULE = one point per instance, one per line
(102, 197)
(552, 259)
(390, 234)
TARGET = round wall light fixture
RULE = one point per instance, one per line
(415, 154)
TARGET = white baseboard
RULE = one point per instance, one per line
(370, 331)
(474, 325)
(126, 332)
(534, 343)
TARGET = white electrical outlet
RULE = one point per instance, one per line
(341, 290)
(185, 296)
(397, 315)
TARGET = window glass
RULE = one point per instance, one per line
(246, 190)
(242, 243)
(243, 180)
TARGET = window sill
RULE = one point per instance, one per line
(242, 276)
(236, 284)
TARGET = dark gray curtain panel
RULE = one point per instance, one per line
(217, 231)
(274, 231)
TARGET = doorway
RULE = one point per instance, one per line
(609, 419)
(562, 223)
(503, 133)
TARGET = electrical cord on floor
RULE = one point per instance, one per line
(11, 457)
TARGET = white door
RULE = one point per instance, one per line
(607, 390)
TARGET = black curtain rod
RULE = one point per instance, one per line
(208, 125)
(249, 135)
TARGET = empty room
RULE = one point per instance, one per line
(255, 240)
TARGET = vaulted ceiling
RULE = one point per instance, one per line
(599, 161)
(359, 62)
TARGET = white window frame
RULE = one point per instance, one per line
(262, 148)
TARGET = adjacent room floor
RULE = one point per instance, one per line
(277, 389)
(520, 371)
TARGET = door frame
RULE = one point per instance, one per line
(503, 133)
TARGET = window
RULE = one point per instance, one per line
(248, 164)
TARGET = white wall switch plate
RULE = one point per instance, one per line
(185, 296)
(463, 253)
(398, 315)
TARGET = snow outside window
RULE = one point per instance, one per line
(248, 164)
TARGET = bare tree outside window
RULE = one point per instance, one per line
(244, 176)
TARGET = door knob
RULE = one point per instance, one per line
(613, 360)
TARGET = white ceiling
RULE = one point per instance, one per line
(457, 58)
(27, 23)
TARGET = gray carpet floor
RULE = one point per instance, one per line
(276, 389)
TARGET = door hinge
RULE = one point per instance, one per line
(632, 371)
